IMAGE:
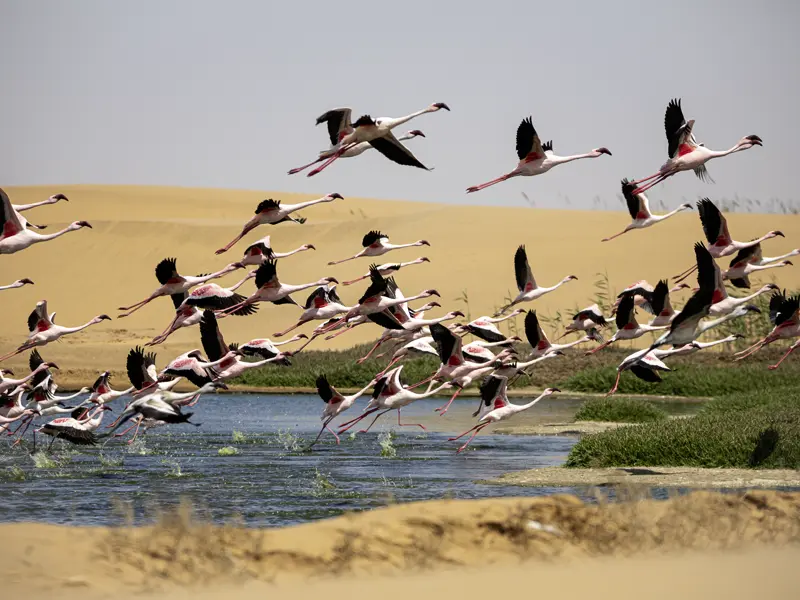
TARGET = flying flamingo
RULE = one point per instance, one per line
(376, 132)
(376, 243)
(71, 430)
(627, 326)
(272, 212)
(535, 158)
(720, 242)
(685, 153)
(261, 251)
(266, 348)
(784, 313)
(537, 338)
(322, 304)
(639, 208)
(727, 304)
(656, 301)
(526, 284)
(189, 307)
(388, 269)
(16, 284)
(484, 327)
(587, 319)
(43, 330)
(14, 234)
(7, 384)
(193, 367)
(336, 126)
(173, 283)
(643, 295)
(335, 404)
(102, 392)
(750, 260)
(142, 373)
(270, 288)
(497, 407)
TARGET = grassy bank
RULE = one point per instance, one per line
(757, 429)
(619, 410)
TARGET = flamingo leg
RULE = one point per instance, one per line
(25, 420)
(661, 177)
(685, 274)
(371, 350)
(613, 390)
(653, 176)
(419, 383)
(783, 358)
(124, 432)
(750, 350)
(376, 418)
(472, 437)
(50, 445)
(477, 188)
(338, 333)
(458, 437)
(616, 235)
(304, 167)
(352, 281)
(345, 426)
(293, 327)
(330, 161)
(443, 409)
(600, 347)
(420, 425)
(135, 433)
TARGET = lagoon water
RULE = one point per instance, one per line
(271, 480)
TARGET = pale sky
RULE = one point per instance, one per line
(225, 94)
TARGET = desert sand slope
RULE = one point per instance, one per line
(95, 271)
(485, 539)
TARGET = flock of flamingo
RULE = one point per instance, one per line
(199, 301)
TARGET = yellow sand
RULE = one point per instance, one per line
(95, 271)
(553, 545)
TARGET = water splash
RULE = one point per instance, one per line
(228, 451)
(139, 447)
(42, 460)
(174, 468)
(13, 473)
(111, 461)
(386, 441)
(237, 437)
(322, 484)
(290, 441)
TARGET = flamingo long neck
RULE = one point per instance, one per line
(703, 327)
(769, 259)
(396, 301)
(498, 319)
(24, 207)
(303, 286)
(718, 153)
(392, 123)
(724, 340)
(38, 237)
(560, 160)
(582, 340)
(745, 299)
(219, 273)
(66, 330)
(396, 246)
(64, 398)
(285, 254)
(258, 363)
(429, 392)
(290, 208)
(750, 244)
(359, 393)
(521, 407)
(669, 214)
(10, 286)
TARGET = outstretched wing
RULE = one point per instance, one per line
(714, 224)
(167, 271)
(211, 337)
(373, 237)
(392, 149)
(338, 120)
(266, 273)
(268, 204)
(522, 271)
(679, 133)
(325, 390)
(533, 330)
(377, 286)
(529, 146)
(448, 344)
(10, 223)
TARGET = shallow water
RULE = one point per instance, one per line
(269, 479)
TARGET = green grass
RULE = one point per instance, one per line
(753, 430)
(619, 410)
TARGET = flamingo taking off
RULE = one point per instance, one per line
(639, 208)
(377, 132)
(485, 329)
(376, 243)
(751, 260)
(540, 345)
(335, 404)
(526, 284)
(272, 212)
(535, 158)
(685, 153)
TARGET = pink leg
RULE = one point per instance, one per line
(684, 275)
(333, 432)
(600, 347)
(135, 433)
(477, 188)
(653, 176)
(616, 235)
(375, 347)
(472, 437)
(349, 424)
(458, 437)
(230, 244)
(330, 161)
(419, 383)
(21, 435)
(124, 432)
(783, 358)
(443, 409)
(304, 167)
(420, 425)
(647, 186)
(613, 390)
(375, 419)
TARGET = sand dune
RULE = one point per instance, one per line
(554, 545)
(95, 271)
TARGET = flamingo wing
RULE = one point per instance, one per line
(167, 271)
(529, 146)
(626, 312)
(339, 125)
(714, 224)
(140, 367)
(10, 222)
(374, 237)
(211, 337)
(267, 274)
(660, 299)
(645, 373)
(679, 132)
(391, 148)
(533, 330)
(448, 344)
(700, 302)
(325, 390)
(385, 319)
(522, 271)
(638, 206)
(377, 286)
(745, 256)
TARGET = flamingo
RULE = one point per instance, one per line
(376, 132)
(497, 407)
(639, 208)
(271, 212)
(322, 304)
(388, 269)
(526, 284)
(464, 381)
(417, 347)
(70, 429)
(376, 243)
(335, 404)
(19, 208)
(643, 295)
(749, 260)
(43, 330)
(173, 283)
(189, 307)
(266, 348)
(784, 313)
(142, 373)
(535, 158)
(728, 304)
(270, 288)
(18, 283)
(587, 319)
(102, 393)
(627, 326)
(657, 302)
(720, 242)
(336, 125)
(685, 153)
(7, 384)
(226, 358)
(376, 300)
(484, 327)
(537, 338)
(14, 234)
(395, 396)
(194, 367)
(261, 251)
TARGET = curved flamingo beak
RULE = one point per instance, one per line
(416, 132)
(311, 247)
(755, 140)
(336, 196)
(604, 151)
(85, 224)
(441, 105)
(104, 318)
